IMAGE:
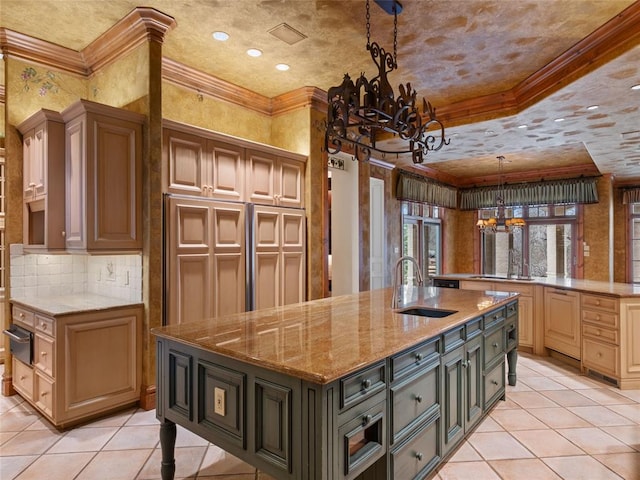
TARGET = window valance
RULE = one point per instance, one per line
(631, 195)
(416, 188)
(578, 190)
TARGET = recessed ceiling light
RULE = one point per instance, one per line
(283, 67)
(592, 107)
(636, 87)
(559, 120)
(220, 36)
(522, 126)
(254, 52)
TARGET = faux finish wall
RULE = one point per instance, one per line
(597, 235)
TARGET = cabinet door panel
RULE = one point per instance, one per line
(75, 186)
(186, 162)
(293, 281)
(291, 191)
(562, 322)
(474, 403)
(453, 399)
(227, 174)
(525, 321)
(229, 281)
(267, 280)
(261, 180)
(273, 417)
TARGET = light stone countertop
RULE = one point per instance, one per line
(73, 303)
(587, 286)
(323, 340)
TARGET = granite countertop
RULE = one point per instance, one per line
(323, 340)
(587, 286)
(72, 303)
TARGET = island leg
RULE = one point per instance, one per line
(512, 359)
(168, 443)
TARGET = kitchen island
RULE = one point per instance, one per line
(341, 387)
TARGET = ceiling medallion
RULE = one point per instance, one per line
(358, 113)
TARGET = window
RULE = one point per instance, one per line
(634, 229)
(544, 247)
(421, 239)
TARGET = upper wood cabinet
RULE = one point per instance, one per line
(103, 177)
(274, 180)
(43, 181)
(202, 163)
(203, 167)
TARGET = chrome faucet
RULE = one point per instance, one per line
(394, 296)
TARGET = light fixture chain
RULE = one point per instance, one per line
(368, 27)
(395, 35)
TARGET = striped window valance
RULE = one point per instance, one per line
(578, 190)
(416, 188)
(631, 195)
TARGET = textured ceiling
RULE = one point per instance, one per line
(449, 51)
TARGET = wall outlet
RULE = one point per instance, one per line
(219, 401)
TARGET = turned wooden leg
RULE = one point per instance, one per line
(168, 443)
(512, 359)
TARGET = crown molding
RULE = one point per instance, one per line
(140, 25)
(205, 84)
(34, 50)
(300, 98)
(615, 37)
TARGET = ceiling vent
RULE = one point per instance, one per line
(287, 34)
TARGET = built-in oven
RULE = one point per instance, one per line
(20, 343)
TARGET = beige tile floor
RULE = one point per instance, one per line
(555, 424)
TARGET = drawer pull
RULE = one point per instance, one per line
(495, 382)
(366, 384)
(495, 317)
(418, 456)
(23, 378)
(418, 357)
(419, 398)
(44, 394)
(43, 354)
(43, 325)
(495, 345)
(366, 419)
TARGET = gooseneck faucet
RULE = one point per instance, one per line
(394, 296)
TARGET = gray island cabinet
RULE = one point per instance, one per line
(339, 388)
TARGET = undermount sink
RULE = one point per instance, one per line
(427, 312)
(498, 277)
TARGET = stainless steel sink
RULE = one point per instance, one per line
(427, 312)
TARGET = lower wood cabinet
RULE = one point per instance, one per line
(83, 364)
(562, 321)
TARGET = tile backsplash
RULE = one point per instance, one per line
(118, 276)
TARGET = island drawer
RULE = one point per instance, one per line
(511, 334)
(601, 334)
(600, 357)
(473, 328)
(409, 360)
(493, 346)
(45, 325)
(20, 315)
(494, 318)
(453, 339)
(44, 354)
(512, 309)
(23, 378)
(414, 399)
(609, 304)
(43, 393)
(362, 385)
(362, 440)
(493, 385)
(601, 318)
(419, 454)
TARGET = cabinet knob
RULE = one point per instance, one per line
(598, 332)
(419, 398)
(597, 317)
(495, 382)
(418, 357)
(599, 354)
(366, 419)
(366, 383)
(465, 364)
(64, 234)
(32, 184)
(495, 345)
(43, 354)
(418, 456)
(22, 378)
(43, 325)
(597, 302)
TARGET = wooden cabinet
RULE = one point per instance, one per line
(205, 259)
(600, 334)
(83, 363)
(43, 181)
(562, 331)
(278, 256)
(629, 310)
(274, 180)
(203, 167)
(479, 285)
(462, 401)
(103, 178)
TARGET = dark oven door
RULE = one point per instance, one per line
(21, 343)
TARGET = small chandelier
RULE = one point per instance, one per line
(358, 113)
(500, 223)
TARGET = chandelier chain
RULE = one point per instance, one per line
(368, 27)
(395, 35)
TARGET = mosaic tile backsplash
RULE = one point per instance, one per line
(118, 276)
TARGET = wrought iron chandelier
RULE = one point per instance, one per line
(359, 113)
(499, 223)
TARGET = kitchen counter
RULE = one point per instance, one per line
(73, 303)
(323, 340)
(339, 388)
(587, 286)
